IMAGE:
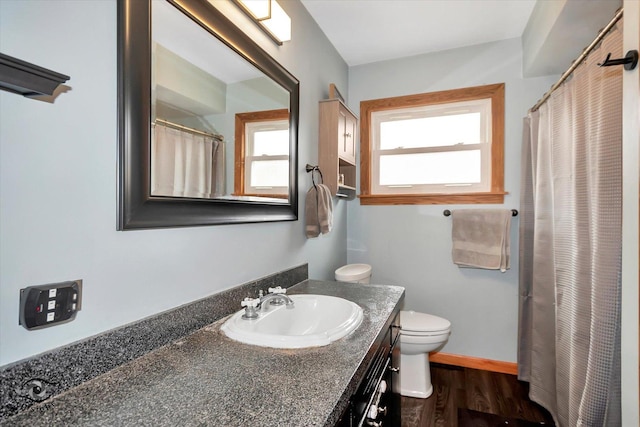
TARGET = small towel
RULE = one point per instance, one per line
(481, 238)
(318, 211)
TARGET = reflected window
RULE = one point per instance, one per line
(262, 154)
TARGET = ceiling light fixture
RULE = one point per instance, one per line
(269, 16)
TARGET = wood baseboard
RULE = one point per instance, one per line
(474, 363)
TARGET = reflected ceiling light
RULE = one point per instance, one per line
(269, 16)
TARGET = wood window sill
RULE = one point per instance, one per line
(493, 197)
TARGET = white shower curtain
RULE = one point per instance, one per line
(570, 245)
(183, 164)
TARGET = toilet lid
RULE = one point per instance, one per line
(422, 322)
(353, 272)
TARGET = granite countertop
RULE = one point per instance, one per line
(207, 379)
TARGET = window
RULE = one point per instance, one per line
(440, 147)
(262, 154)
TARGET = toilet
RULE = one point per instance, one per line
(420, 334)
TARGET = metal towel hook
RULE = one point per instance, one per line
(629, 61)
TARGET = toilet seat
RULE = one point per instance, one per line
(422, 324)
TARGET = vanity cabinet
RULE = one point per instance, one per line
(377, 400)
(337, 147)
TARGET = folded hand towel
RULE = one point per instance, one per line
(318, 211)
(325, 209)
(481, 238)
(312, 228)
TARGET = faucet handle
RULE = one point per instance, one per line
(250, 302)
(278, 290)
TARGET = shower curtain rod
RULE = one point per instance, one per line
(188, 129)
(580, 58)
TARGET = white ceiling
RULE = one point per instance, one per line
(365, 31)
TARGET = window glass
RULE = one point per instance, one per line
(271, 142)
(270, 173)
(430, 131)
(455, 168)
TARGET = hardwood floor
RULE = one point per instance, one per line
(482, 391)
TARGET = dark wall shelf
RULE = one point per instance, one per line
(27, 79)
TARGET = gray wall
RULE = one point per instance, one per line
(58, 183)
(411, 245)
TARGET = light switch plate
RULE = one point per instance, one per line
(48, 305)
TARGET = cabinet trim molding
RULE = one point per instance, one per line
(27, 79)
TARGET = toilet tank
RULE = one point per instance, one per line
(356, 273)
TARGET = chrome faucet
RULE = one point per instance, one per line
(274, 299)
(276, 296)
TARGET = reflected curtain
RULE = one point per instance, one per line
(185, 164)
(570, 245)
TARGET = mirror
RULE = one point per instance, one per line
(208, 120)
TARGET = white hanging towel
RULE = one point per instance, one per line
(318, 211)
(481, 238)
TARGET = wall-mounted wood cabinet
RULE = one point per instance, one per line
(337, 147)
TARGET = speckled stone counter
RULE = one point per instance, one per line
(66, 367)
(207, 379)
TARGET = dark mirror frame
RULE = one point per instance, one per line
(137, 209)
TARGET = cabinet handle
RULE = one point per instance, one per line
(348, 135)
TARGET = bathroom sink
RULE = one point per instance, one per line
(314, 320)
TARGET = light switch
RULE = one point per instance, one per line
(62, 302)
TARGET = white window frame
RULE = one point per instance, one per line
(481, 106)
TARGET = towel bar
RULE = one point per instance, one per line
(447, 212)
(312, 169)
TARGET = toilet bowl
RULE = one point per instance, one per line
(420, 333)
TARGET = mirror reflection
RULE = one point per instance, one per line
(219, 126)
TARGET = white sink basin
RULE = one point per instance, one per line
(315, 320)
